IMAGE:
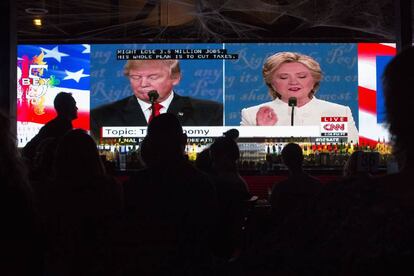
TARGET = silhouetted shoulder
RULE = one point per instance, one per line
(181, 173)
(397, 186)
(55, 128)
(300, 184)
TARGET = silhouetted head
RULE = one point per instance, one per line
(398, 80)
(232, 134)
(77, 156)
(224, 153)
(225, 147)
(165, 139)
(292, 156)
(65, 106)
(203, 161)
(351, 165)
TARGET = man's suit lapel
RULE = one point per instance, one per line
(182, 108)
(133, 114)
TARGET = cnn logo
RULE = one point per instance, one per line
(334, 127)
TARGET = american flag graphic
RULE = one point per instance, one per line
(42, 72)
(372, 59)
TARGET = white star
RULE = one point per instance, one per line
(76, 76)
(87, 49)
(54, 53)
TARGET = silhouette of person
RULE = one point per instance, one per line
(397, 83)
(170, 208)
(80, 206)
(366, 223)
(385, 228)
(203, 161)
(232, 194)
(22, 243)
(298, 190)
(43, 162)
(65, 106)
(232, 133)
(352, 167)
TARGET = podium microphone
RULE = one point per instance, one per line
(153, 96)
(292, 102)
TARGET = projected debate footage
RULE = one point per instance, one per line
(315, 89)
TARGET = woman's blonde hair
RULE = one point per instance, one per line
(273, 62)
(173, 64)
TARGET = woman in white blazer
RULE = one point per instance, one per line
(297, 77)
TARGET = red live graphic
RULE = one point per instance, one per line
(334, 119)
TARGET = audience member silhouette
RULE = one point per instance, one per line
(170, 208)
(65, 106)
(368, 224)
(353, 166)
(385, 244)
(21, 246)
(232, 133)
(339, 219)
(365, 224)
(397, 85)
(286, 247)
(42, 164)
(298, 191)
(357, 226)
(232, 194)
(203, 161)
(81, 206)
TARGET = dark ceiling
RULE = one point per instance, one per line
(203, 20)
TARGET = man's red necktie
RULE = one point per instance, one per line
(157, 108)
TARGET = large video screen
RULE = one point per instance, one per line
(265, 90)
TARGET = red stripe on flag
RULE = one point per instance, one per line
(367, 99)
(375, 49)
(367, 141)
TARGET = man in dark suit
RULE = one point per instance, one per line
(136, 110)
